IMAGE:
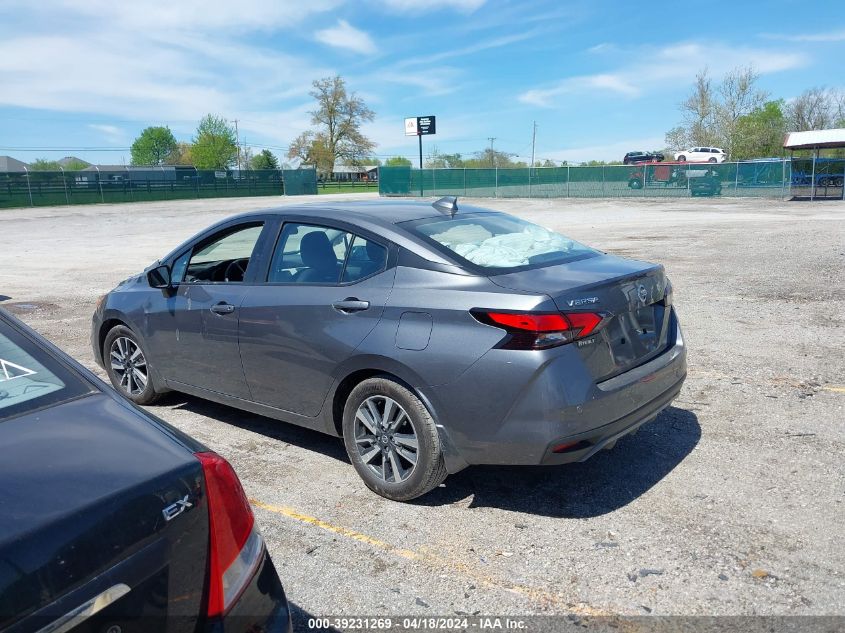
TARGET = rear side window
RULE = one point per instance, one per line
(30, 378)
(309, 254)
(366, 258)
(498, 241)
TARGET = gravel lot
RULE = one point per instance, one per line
(731, 502)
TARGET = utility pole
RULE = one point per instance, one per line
(238, 142)
(492, 155)
(533, 142)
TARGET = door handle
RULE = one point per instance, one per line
(223, 308)
(350, 304)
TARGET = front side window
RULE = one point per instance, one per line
(225, 258)
(30, 378)
(498, 241)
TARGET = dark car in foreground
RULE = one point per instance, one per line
(110, 519)
(429, 337)
(633, 158)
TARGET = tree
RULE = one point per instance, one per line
(739, 96)
(181, 155)
(490, 157)
(44, 164)
(338, 119)
(75, 164)
(710, 114)
(760, 132)
(153, 146)
(214, 146)
(814, 109)
(397, 161)
(264, 160)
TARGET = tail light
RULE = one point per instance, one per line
(235, 544)
(529, 330)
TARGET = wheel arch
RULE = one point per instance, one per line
(359, 369)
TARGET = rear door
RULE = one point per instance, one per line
(324, 290)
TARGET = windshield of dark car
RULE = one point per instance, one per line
(499, 241)
(30, 378)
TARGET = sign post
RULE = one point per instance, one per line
(420, 126)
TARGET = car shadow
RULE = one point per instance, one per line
(274, 429)
(608, 481)
(303, 620)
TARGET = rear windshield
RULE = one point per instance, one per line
(498, 241)
(30, 378)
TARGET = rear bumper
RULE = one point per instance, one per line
(492, 416)
(262, 606)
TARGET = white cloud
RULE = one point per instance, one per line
(112, 133)
(182, 15)
(423, 6)
(344, 35)
(828, 36)
(185, 67)
(478, 47)
(665, 67)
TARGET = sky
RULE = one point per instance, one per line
(599, 78)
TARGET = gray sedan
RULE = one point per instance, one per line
(429, 337)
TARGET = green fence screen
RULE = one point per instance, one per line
(43, 188)
(758, 179)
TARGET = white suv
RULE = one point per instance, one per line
(702, 155)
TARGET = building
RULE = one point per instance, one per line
(9, 164)
(355, 173)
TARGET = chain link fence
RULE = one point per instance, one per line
(133, 184)
(755, 179)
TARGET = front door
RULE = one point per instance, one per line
(208, 301)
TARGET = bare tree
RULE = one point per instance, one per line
(338, 119)
(710, 114)
(738, 97)
(814, 109)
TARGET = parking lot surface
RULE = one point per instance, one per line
(731, 502)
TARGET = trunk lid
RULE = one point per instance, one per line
(84, 487)
(630, 292)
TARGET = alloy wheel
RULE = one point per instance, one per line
(386, 439)
(129, 365)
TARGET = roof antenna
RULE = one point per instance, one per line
(447, 204)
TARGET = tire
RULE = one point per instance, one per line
(840, 181)
(712, 160)
(370, 437)
(635, 183)
(682, 158)
(823, 182)
(123, 346)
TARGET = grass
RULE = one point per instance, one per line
(346, 187)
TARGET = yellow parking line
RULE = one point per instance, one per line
(337, 529)
(836, 389)
(539, 595)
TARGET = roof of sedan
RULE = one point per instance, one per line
(379, 211)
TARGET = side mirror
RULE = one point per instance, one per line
(159, 277)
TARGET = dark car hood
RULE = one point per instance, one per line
(84, 485)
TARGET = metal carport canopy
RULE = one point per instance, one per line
(815, 139)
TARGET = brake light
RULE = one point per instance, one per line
(235, 544)
(540, 331)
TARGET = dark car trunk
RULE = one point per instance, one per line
(84, 487)
(629, 291)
